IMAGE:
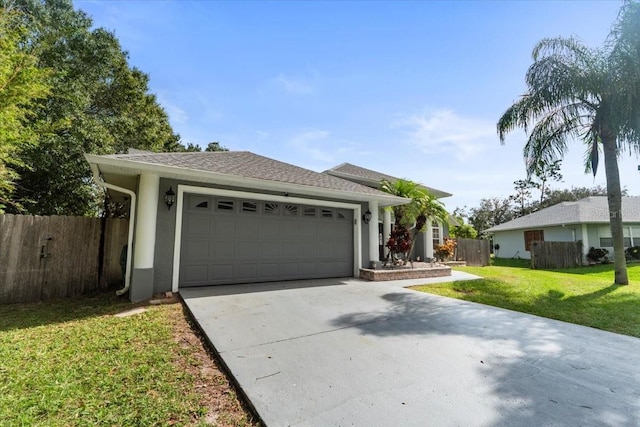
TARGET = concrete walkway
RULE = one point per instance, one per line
(343, 352)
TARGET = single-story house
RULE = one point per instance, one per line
(435, 231)
(585, 220)
(211, 218)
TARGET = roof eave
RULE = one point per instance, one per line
(136, 167)
(439, 194)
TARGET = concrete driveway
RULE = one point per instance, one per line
(352, 353)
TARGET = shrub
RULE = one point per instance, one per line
(632, 253)
(597, 254)
(445, 250)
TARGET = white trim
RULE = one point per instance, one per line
(182, 189)
(374, 238)
(386, 230)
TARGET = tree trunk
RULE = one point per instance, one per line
(614, 198)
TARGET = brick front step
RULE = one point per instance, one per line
(403, 273)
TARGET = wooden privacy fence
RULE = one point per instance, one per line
(556, 254)
(473, 252)
(58, 256)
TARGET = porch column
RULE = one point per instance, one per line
(374, 252)
(145, 238)
(386, 229)
(428, 239)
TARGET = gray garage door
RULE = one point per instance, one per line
(227, 241)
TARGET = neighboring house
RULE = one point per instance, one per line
(585, 220)
(237, 217)
(425, 243)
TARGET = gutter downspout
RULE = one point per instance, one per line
(132, 215)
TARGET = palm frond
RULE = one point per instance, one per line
(548, 139)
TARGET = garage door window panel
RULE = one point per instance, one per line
(290, 210)
(198, 203)
(224, 205)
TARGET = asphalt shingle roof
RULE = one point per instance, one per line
(247, 165)
(592, 209)
(358, 172)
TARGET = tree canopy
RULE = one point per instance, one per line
(22, 83)
(591, 95)
(78, 94)
(97, 104)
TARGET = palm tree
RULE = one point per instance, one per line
(423, 206)
(589, 94)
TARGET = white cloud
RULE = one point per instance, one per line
(177, 116)
(313, 143)
(444, 131)
(295, 85)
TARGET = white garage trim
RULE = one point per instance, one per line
(182, 189)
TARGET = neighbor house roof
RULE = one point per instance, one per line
(372, 178)
(239, 168)
(592, 209)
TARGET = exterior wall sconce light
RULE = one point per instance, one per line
(366, 217)
(169, 198)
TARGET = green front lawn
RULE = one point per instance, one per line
(71, 362)
(585, 295)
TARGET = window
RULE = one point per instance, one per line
(309, 212)
(532, 236)
(606, 241)
(249, 207)
(326, 213)
(225, 205)
(635, 235)
(436, 235)
(342, 216)
(198, 202)
(290, 210)
(271, 208)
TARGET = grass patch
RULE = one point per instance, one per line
(585, 295)
(71, 362)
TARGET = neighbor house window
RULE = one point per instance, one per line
(532, 236)
(606, 241)
(635, 235)
(604, 233)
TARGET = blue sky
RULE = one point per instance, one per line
(412, 89)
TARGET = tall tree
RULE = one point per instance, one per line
(571, 195)
(521, 197)
(491, 212)
(215, 146)
(589, 94)
(21, 83)
(98, 104)
(541, 172)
